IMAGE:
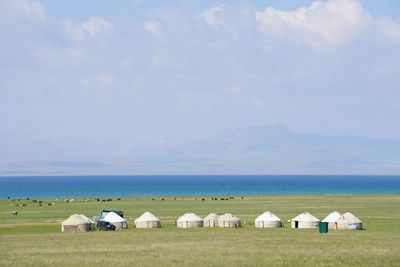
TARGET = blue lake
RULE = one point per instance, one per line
(189, 185)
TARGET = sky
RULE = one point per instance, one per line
(178, 71)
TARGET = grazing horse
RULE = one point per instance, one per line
(14, 213)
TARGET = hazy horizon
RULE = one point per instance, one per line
(120, 87)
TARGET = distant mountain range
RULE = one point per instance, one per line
(250, 150)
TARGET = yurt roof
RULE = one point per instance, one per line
(189, 217)
(305, 217)
(228, 217)
(349, 218)
(75, 219)
(147, 217)
(268, 217)
(332, 217)
(113, 218)
(211, 216)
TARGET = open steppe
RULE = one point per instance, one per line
(33, 237)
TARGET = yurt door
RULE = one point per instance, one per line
(211, 223)
(296, 224)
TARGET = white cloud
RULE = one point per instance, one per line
(322, 23)
(88, 29)
(258, 103)
(94, 26)
(390, 28)
(154, 28)
(210, 16)
(22, 9)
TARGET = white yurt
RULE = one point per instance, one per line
(267, 220)
(118, 221)
(211, 220)
(189, 220)
(305, 220)
(77, 223)
(229, 220)
(332, 218)
(349, 222)
(147, 220)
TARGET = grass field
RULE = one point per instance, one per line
(33, 237)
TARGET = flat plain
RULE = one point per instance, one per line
(33, 237)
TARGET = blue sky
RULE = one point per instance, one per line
(178, 71)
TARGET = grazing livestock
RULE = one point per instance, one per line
(14, 213)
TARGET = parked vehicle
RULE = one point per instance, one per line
(105, 226)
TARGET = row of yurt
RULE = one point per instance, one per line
(335, 220)
(346, 221)
(77, 223)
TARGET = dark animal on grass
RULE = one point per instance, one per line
(109, 199)
(23, 205)
(48, 204)
(40, 204)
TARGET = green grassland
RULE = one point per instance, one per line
(33, 237)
